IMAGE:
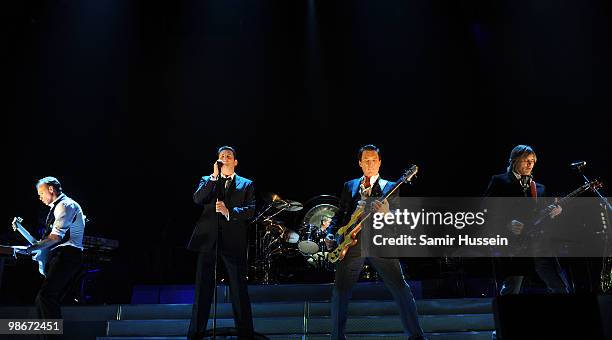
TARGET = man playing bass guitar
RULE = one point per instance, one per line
(64, 239)
(517, 181)
(354, 195)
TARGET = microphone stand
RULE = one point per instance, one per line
(219, 196)
(605, 260)
(603, 200)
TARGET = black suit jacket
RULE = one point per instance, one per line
(350, 197)
(523, 210)
(240, 201)
(507, 185)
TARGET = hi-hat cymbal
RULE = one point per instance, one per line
(290, 205)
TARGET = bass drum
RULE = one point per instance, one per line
(288, 265)
(320, 210)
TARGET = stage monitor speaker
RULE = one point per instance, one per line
(521, 317)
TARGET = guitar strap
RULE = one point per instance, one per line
(533, 190)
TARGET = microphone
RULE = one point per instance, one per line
(219, 164)
(578, 165)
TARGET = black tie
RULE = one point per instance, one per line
(223, 185)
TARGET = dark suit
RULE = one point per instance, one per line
(348, 270)
(239, 198)
(549, 269)
(507, 185)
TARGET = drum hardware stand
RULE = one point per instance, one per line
(262, 248)
(258, 241)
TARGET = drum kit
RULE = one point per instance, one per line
(285, 244)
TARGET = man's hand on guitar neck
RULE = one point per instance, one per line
(555, 209)
(516, 227)
(380, 207)
(375, 206)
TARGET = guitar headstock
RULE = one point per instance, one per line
(16, 220)
(408, 174)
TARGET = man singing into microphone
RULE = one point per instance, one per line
(229, 202)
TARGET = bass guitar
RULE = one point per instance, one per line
(347, 235)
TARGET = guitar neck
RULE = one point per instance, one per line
(394, 189)
(25, 234)
(573, 194)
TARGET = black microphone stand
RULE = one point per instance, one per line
(604, 201)
(606, 215)
(219, 196)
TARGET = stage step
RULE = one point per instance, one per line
(224, 310)
(356, 308)
(312, 325)
(183, 294)
(69, 313)
(298, 311)
(485, 335)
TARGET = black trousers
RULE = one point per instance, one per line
(236, 267)
(347, 274)
(63, 264)
(549, 270)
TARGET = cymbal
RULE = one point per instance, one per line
(279, 203)
(272, 221)
(290, 205)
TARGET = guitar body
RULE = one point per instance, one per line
(350, 240)
(532, 230)
(39, 256)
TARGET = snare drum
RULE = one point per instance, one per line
(310, 237)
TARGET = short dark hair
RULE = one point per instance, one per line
(517, 153)
(227, 147)
(50, 181)
(369, 147)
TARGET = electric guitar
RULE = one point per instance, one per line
(347, 235)
(544, 214)
(39, 256)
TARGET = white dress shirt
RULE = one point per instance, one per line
(68, 216)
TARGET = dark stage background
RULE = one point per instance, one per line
(126, 102)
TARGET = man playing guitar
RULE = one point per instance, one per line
(518, 181)
(63, 239)
(354, 194)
